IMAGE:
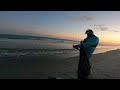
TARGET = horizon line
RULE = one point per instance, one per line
(40, 36)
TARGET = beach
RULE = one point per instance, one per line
(40, 45)
(104, 66)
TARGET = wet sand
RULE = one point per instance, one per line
(104, 66)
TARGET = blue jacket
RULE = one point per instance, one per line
(90, 45)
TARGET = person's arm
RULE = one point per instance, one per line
(91, 42)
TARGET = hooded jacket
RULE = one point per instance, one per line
(90, 44)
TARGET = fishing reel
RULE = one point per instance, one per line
(76, 47)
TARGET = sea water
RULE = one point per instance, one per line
(17, 47)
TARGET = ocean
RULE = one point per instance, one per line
(35, 47)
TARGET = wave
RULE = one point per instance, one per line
(8, 52)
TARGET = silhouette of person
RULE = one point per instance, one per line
(86, 47)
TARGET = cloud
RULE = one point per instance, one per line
(80, 19)
(87, 18)
(101, 27)
(116, 31)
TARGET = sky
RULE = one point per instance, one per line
(63, 24)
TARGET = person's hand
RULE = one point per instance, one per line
(81, 41)
(75, 46)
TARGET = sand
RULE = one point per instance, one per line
(104, 66)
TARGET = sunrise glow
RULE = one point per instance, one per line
(63, 24)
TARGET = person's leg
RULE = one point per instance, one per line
(83, 66)
(90, 74)
(82, 73)
(82, 77)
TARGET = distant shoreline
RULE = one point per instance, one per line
(13, 36)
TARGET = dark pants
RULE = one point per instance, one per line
(84, 66)
(84, 73)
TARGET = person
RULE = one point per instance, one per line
(86, 47)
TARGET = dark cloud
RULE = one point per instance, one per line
(79, 19)
(101, 27)
(87, 18)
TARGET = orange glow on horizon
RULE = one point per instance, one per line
(108, 39)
